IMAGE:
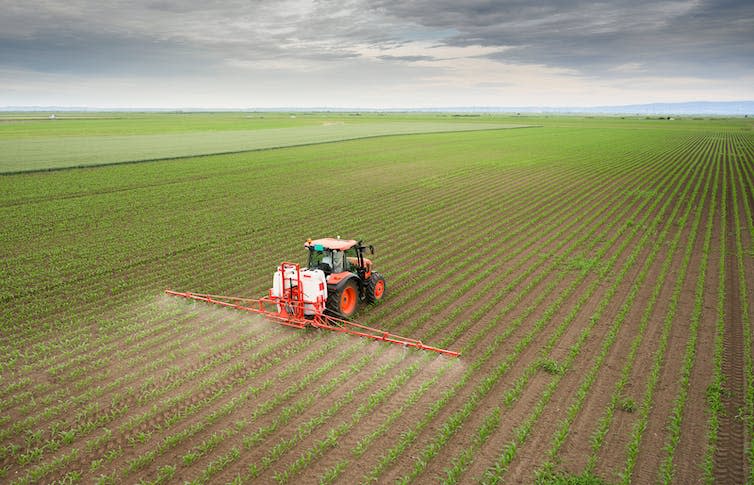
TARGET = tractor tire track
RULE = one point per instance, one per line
(730, 456)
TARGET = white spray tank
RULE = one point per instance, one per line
(313, 284)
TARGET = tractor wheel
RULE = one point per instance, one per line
(346, 301)
(375, 288)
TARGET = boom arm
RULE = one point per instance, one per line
(290, 312)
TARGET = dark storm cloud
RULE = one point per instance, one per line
(669, 37)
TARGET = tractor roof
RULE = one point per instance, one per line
(331, 243)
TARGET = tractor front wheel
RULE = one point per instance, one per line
(346, 301)
(375, 288)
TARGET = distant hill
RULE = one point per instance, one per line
(738, 108)
(718, 108)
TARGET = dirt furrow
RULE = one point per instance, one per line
(730, 458)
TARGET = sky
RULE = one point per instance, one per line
(373, 53)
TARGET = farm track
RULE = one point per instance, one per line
(745, 248)
(599, 278)
(730, 459)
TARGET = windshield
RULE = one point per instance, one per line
(328, 260)
(320, 259)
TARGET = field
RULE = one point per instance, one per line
(26, 144)
(596, 275)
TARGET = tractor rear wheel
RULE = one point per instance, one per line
(346, 300)
(375, 288)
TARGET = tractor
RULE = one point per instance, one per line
(348, 273)
(323, 295)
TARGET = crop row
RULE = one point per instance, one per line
(552, 366)
(467, 376)
(105, 346)
(166, 382)
(211, 261)
(713, 159)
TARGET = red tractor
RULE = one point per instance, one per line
(323, 295)
(349, 275)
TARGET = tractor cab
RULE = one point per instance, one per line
(335, 256)
(349, 274)
(328, 260)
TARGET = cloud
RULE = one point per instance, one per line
(422, 51)
(629, 67)
(406, 58)
(666, 36)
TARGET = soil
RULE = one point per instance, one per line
(216, 395)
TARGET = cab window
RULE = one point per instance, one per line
(352, 260)
(337, 261)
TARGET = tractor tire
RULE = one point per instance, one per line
(345, 302)
(375, 288)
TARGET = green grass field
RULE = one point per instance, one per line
(38, 143)
(596, 274)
